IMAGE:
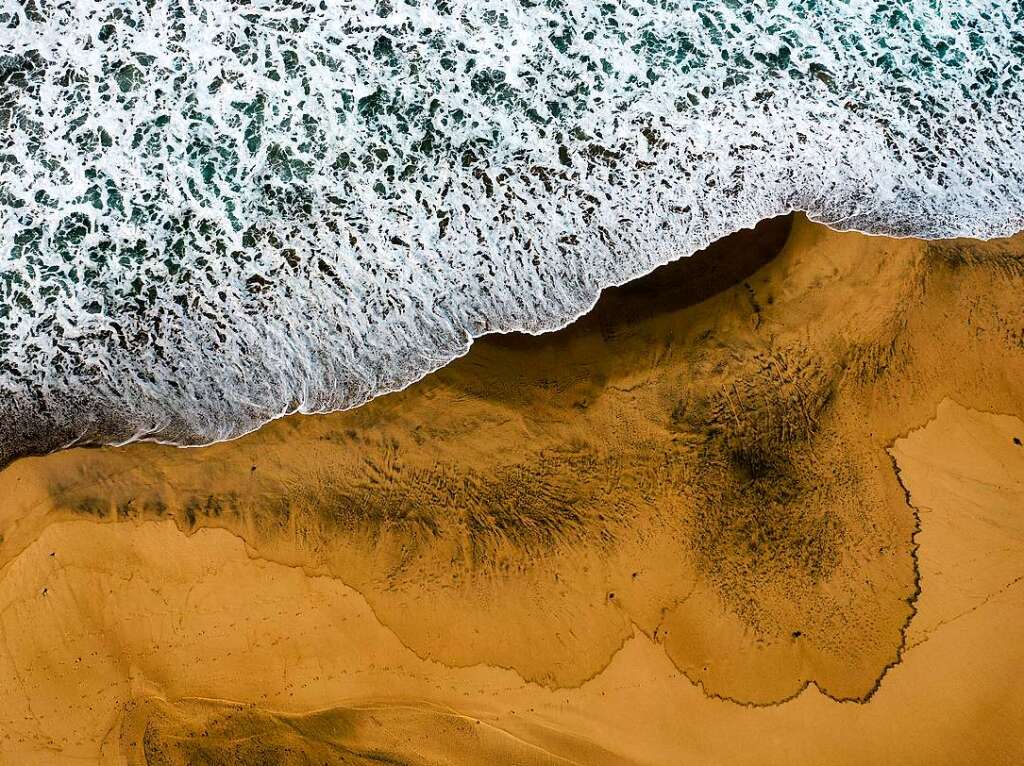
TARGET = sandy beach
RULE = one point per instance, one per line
(761, 506)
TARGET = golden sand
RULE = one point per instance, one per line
(638, 540)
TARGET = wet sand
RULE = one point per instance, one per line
(638, 540)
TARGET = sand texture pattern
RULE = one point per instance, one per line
(751, 509)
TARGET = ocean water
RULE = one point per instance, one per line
(214, 212)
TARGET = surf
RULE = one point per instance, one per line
(215, 213)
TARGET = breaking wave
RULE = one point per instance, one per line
(214, 212)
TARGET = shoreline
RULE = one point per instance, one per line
(140, 437)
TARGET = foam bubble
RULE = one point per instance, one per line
(215, 212)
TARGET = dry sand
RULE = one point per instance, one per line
(637, 540)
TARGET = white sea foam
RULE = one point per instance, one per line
(214, 212)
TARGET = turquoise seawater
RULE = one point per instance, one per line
(213, 212)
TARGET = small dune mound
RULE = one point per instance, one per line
(193, 731)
